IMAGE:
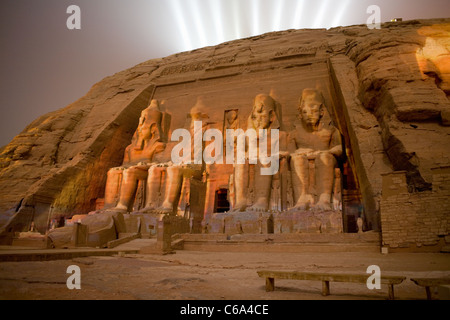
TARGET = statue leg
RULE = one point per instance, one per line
(284, 182)
(337, 192)
(240, 187)
(300, 181)
(153, 188)
(263, 185)
(173, 189)
(325, 164)
(231, 193)
(130, 179)
(112, 188)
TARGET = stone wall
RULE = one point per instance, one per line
(416, 221)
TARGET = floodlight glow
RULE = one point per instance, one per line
(320, 14)
(215, 7)
(208, 22)
(298, 14)
(237, 20)
(199, 27)
(338, 17)
(255, 17)
(179, 17)
(279, 9)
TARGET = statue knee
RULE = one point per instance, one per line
(130, 171)
(153, 170)
(114, 171)
(327, 159)
(298, 158)
(173, 170)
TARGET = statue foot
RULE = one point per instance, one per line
(148, 209)
(239, 208)
(301, 206)
(118, 208)
(304, 202)
(323, 206)
(337, 205)
(164, 210)
(324, 203)
(258, 208)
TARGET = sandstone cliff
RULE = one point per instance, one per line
(389, 87)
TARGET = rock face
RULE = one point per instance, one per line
(387, 91)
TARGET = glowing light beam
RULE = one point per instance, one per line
(298, 14)
(279, 10)
(199, 27)
(320, 14)
(215, 7)
(179, 17)
(237, 19)
(255, 18)
(340, 14)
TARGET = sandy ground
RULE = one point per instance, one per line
(190, 275)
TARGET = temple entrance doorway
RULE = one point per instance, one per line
(221, 203)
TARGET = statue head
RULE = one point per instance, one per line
(264, 114)
(149, 124)
(198, 111)
(231, 116)
(311, 107)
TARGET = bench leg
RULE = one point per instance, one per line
(325, 288)
(391, 292)
(428, 289)
(270, 284)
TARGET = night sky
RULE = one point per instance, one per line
(45, 66)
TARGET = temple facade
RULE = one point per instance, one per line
(359, 120)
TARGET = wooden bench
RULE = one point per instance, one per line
(428, 283)
(326, 278)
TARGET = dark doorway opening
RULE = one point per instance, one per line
(221, 203)
(352, 207)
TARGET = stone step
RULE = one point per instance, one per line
(364, 242)
(366, 237)
(279, 248)
(59, 254)
(137, 244)
(30, 243)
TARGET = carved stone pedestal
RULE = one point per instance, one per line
(294, 221)
(147, 223)
(241, 222)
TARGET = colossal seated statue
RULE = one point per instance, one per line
(265, 115)
(148, 140)
(315, 141)
(177, 174)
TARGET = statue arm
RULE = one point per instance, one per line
(157, 147)
(296, 146)
(336, 144)
(126, 157)
(291, 144)
(284, 150)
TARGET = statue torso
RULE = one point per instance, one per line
(316, 140)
